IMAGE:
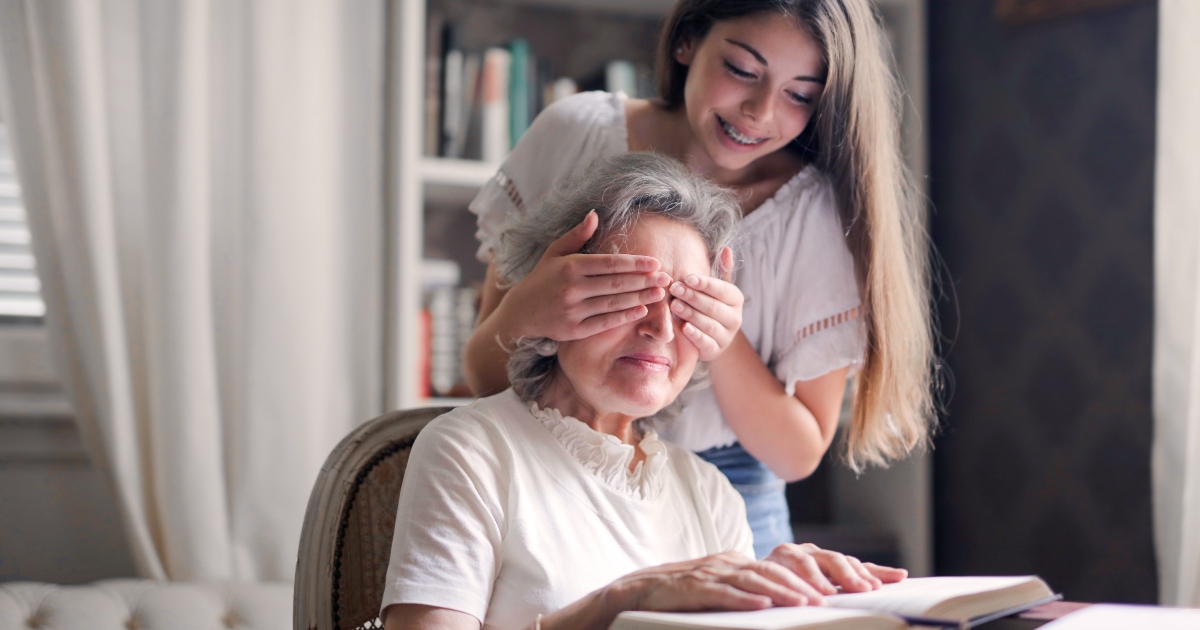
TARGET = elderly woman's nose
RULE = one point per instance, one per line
(658, 324)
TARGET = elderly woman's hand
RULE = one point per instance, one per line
(725, 581)
(792, 575)
(826, 570)
(710, 307)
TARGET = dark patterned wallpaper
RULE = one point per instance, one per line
(1042, 156)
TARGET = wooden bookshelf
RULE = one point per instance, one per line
(422, 182)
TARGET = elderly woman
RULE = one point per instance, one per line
(554, 504)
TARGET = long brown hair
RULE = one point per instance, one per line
(854, 139)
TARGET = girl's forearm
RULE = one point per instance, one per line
(777, 429)
(484, 359)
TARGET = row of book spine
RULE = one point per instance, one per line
(447, 320)
(479, 103)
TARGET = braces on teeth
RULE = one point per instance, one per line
(737, 137)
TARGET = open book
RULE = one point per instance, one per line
(956, 602)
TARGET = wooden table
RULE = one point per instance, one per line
(1034, 617)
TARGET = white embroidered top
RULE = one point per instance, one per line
(802, 303)
(509, 511)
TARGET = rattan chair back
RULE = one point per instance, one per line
(347, 535)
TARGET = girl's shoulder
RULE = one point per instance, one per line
(564, 139)
(567, 136)
(582, 112)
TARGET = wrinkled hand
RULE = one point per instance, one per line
(792, 575)
(711, 309)
(569, 295)
(826, 570)
(725, 581)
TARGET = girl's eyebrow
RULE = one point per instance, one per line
(750, 49)
(763, 60)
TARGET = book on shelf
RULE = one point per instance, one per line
(447, 320)
(495, 140)
(518, 89)
(621, 75)
(560, 88)
(937, 602)
(478, 104)
(449, 111)
(433, 84)
(468, 109)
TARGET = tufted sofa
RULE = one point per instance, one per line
(145, 605)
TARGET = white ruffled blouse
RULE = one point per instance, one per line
(607, 457)
(802, 303)
(508, 511)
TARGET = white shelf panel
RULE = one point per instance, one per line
(461, 173)
(445, 402)
(453, 182)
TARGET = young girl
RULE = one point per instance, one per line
(792, 104)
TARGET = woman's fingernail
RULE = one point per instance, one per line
(677, 306)
(692, 280)
(677, 288)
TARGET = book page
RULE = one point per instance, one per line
(914, 596)
(1113, 617)
(769, 619)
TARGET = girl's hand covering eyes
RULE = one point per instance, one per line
(569, 295)
(711, 309)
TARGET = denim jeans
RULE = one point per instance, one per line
(763, 492)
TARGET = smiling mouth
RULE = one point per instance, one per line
(649, 362)
(737, 137)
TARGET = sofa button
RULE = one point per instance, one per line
(229, 619)
(133, 624)
(34, 621)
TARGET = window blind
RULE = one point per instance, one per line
(20, 291)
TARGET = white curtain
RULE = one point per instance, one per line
(204, 181)
(1176, 458)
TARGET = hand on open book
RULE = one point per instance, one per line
(724, 581)
(826, 570)
(792, 575)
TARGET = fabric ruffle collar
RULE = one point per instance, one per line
(606, 456)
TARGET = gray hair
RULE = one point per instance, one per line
(620, 189)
